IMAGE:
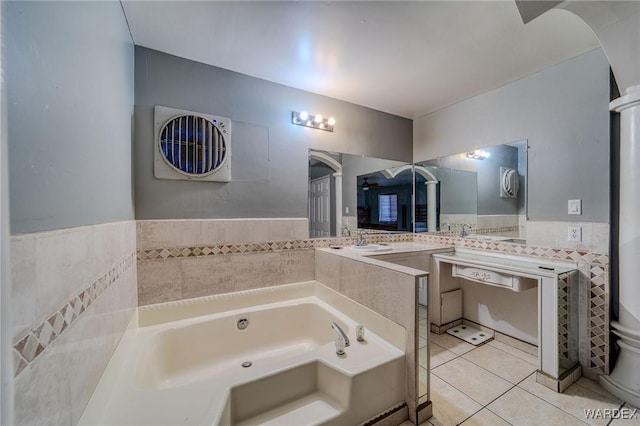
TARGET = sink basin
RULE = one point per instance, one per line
(480, 237)
(369, 248)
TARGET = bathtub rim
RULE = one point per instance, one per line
(161, 313)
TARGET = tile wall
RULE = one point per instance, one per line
(74, 293)
(387, 292)
(195, 258)
(216, 256)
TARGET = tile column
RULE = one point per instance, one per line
(432, 219)
(338, 207)
(624, 381)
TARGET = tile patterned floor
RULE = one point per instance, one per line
(494, 384)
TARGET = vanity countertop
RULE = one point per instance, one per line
(523, 265)
(377, 257)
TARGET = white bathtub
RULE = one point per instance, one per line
(188, 370)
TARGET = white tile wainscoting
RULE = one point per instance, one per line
(74, 292)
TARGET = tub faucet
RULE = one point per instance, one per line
(463, 233)
(361, 240)
(342, 341)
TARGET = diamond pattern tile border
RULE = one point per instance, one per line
(27, 349)
(260, 247)
(598, 262)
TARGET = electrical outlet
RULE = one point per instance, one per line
(575, 207)
(575, 233)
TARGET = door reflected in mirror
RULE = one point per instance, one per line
(350, 192)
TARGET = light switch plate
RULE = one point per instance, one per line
(575, 233)
(575, 207)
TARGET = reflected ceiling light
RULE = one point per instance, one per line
(314, 121)
(478, 154)
(365, 185)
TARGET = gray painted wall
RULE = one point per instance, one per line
(162, 79)
(6, 334)
(458, 191)
(562, 111)
(69, 71)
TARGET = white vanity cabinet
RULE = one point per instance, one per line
(556, 284)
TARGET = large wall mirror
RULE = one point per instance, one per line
(347, 192)
(482, 189)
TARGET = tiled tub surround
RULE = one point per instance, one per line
(174, 272)
(167, 272)
(389, 289)
(74, 291)
(201, 232)
(288, 332)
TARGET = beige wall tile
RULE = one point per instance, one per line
(48, 268)
(56, 386)
(298, 265)
(353, 280)
(23, 286)
(595, 235)
(159, 281)
(327, 269)
(256, 270)
(42, 392)
(206, 275)
(393, 295)
(196, 232)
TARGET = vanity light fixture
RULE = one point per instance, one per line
(478, 154)
(314, 121)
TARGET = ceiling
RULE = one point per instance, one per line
(404, 58)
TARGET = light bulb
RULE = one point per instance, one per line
(304, 115)
(309, 123)
(318, 119)
(332, 121)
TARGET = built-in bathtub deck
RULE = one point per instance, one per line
(181, 362)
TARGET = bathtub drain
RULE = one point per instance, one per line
(247, 364)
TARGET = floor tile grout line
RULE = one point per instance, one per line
(446, 362)
(596, 392)
(498, 415)
(552, 404)
(469, 396)
(488, 403)
(510, 388)
(512, 354)
(507, 380)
